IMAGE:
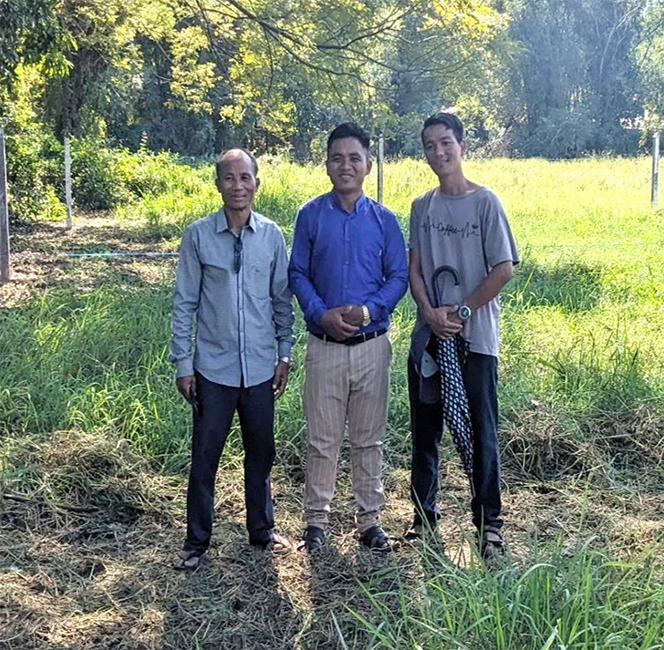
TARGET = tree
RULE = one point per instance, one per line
(575, 84)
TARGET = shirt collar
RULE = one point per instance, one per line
(359, 204)
(222, 222)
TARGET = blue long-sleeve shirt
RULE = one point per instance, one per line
(340, 258)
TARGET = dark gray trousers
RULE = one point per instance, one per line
(216, 406)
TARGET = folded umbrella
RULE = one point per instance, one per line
(451, 355)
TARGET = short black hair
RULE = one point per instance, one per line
(254, 162)
(449, 121)
(349, 130)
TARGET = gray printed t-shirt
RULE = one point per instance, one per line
(469, 233)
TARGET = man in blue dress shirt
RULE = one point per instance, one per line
(348, 271)
(232, 282)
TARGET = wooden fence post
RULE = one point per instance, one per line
(5, 269)
(381, 162)
(655, 169)
(68, 182)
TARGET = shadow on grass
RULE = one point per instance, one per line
(234, 601)
(573, 286)
(88, 530)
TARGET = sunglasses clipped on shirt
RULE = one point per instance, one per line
(237, 254)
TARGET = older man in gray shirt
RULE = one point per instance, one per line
(232, 281)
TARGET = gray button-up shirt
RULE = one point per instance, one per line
(239, 316)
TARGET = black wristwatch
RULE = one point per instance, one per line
(464, 312)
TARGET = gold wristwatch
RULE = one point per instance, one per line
(366, 316)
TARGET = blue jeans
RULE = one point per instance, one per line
(481, 381)
(217, 405)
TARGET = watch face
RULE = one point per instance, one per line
(464, 312)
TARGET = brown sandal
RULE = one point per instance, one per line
(188, 560)
(492, 544)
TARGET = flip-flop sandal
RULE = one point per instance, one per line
(278, 544)
(414, 534)
(376, 539)
(313, 538)
(418, 532)
(493, 543)
(188, 560)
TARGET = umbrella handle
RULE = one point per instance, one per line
(434, 281)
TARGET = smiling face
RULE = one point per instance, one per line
(347, 165)
(236, 180)
(442, 150)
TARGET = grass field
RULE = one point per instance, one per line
(94, 442)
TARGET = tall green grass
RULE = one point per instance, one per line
(581, 326)
(568, 599)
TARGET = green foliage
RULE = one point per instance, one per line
(565, 342)
(572, 598)
(530, 78)
(28, 34)
(32, 170)
(97, 180)
(103, 178)
(649, 59)
(574, 87)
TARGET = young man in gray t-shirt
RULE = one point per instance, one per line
(461, 225)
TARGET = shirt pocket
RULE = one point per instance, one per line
(258, 280)
(370, 256)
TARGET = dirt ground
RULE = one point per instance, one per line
(88, 533)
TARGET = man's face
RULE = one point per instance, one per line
(442, 151)
(236, 180)
(347, 165)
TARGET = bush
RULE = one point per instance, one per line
(97, 180)
(103, 178)
(32, 163)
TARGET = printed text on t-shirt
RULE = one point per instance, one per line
(447, 229)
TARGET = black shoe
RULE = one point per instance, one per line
(313, 538)
(376, 539)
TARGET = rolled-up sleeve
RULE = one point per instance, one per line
(282, 298)
(185, 303)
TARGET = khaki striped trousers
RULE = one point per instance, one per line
(345, 386)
